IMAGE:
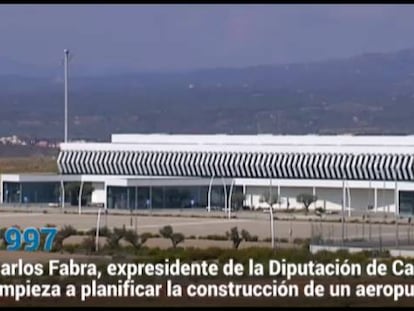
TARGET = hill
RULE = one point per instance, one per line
(366, 94)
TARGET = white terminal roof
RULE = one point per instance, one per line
(251, 143)
(264, 139)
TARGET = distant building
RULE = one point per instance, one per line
(42, 143)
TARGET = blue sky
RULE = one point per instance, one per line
(184, 37)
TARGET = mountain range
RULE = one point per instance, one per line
(365, 94)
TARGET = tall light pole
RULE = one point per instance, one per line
(272, 226)
(66, 60)
(343, 212)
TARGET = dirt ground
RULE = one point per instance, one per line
(200, 226)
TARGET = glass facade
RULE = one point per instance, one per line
(118, 197)
(406, 199)
(31, 192)
(166, 197)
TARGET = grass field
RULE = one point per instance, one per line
(34, 164)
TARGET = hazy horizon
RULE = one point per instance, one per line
(171, 38)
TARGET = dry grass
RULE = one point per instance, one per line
(28, 165)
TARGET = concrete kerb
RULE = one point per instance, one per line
(201, 213)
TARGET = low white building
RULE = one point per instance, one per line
(175, 171)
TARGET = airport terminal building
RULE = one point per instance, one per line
(145, 171)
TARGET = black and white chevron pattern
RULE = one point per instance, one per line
(240, 164)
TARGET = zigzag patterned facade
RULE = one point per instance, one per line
(395, 167)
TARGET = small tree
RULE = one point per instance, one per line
(269, 198)
(175, 237)
(320, 211)
(114, 238)
(235, 237)
(166, 232)
(62, 235)
(248, 237)
(135, 239)
(89, 244)
(103, 231)
(306, 199)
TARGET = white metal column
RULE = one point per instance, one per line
(106, 196)
(225, 194)
(314, 194)
(98, 226)
(396, 212)
(349, 200)
(209, 194)
(396, 200)
(343, 212)
(80, 198)
(230, 195)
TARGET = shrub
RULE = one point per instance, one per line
(146, 235)
(71, 248)
(168, 233)
(89, 244)
(177, 238)
(299, 241)
(114, 238)
(63, 234)
(103, 231)
(235, 237)
(248, 237)
(306, 199)
(2, 231)
(215, 237)
(151, 235)
(134, 239)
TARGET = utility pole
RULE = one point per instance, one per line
(343, 213)
(66, 60)
(272, 227)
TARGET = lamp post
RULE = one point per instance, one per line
(272, 228)
(230, 195)
(225, 194)
(98, 221)
(66, 60)
(343, 212)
